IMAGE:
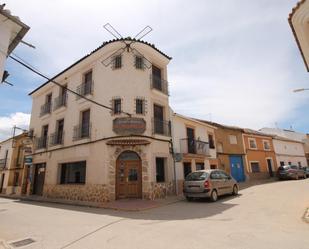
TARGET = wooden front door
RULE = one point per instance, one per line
(128, 179)
(39, 178)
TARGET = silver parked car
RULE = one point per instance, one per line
(210, 184)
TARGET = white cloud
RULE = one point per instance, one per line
(19, 119)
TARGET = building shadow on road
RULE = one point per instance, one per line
(180, 210)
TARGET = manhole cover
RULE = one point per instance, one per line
(23, 242)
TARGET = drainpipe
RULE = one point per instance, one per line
(174, 165)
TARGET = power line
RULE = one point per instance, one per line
(30, 67)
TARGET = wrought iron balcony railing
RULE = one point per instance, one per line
(192, 146)
(158, 84)
(161, 127)
(85, 89)
(81, 131)
(60, 101)
(46, 108)
(41, 142)
(56, 138)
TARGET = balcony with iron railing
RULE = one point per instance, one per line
(56, 138)
(159, 84)
(46, 109)
(192, 146)
(161, 127)
(85, 89)
(41, 143)
(60, 101)
(81, 131)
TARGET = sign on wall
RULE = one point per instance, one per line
(28, 160)
(129, 126)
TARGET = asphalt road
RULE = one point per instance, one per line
(263, 216)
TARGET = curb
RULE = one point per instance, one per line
(88, 204)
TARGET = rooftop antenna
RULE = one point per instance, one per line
(111, 58)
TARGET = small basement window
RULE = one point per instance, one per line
(73, 173)
(255, 167)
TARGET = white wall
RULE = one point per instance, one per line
(287, 151)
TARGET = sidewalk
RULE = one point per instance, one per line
(250, 183)
(120, 205)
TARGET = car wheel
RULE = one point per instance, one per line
(235, 190)
(189, 198)
(214, 196)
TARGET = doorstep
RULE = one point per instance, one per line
(120, 205)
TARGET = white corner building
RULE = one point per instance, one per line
(85, 152)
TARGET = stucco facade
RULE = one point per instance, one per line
(192, 149)
(298, 20)
(13, 171)
(12, 31)
(260, 155)
(105, 142)
(289, 152)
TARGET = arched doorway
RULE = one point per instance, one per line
(128, 176)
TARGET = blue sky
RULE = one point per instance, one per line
(234, 62)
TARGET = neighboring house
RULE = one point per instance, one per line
(289, 152)
(12, 30)
(194, 146)
(13, 172)
(88, 153)
(292, 135)
(299, 22)
(230, 150)
(260, 155)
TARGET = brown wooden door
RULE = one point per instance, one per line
(128, 179)
(39, 178)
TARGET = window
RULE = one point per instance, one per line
(19, 156)
(281, 163)
(160, 169)
(252, 143)
(117, 106)
(156, 78)
(215, 175)
(87, 83)
(16, 179)
(74, 172)
(200, 166)
(299, 164)
(59, 133)
(255, 167)
(266, 145)
(211, 141)
(85, 124)
(289, 163)
(118, 62)
(233, 139)
(220, 147)
(186, 169)
(140, 106)
(213, 166)
(139, 64)
(44, 136)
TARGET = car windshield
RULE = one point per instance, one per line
(293, 167)
(197, 176)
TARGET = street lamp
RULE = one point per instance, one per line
(300, 90)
